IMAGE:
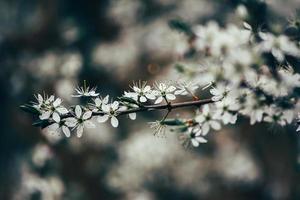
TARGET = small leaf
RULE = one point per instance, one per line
(129, 100)
(30, 109)
(181, 26)
(173, 122)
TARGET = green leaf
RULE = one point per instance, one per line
(30, 109)
(181, 26)
(173, 122)
(129, 100)
(41, 123)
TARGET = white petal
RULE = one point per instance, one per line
(201, 139)
(171, 89)
(57, 102)
(40, 99)
(215, 125)
(89, 124)
(114, 121)
(87, 115)
(143, 99)
(78, 111)
(79, 131)
(150, 96)
(102, 119)
(298, 129)
(132, 116)
(62, 110)
(205, 129)
(45, 115)
(105, 100)
(71, 122)
(195, 142)
(98, 102)
(158, 100)
(115, 105)
(105, 107)
(147, 88)
(136, 89)
(66, 131)
(170, 96)
(56, 117)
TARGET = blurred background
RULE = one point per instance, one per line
(52, 46)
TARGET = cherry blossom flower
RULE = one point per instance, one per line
(227, 110)
(207, 120)
(141, 92)
(85, 91)
(164, 91)
(185, 88)
(110, 111)
(80, 120)
(98, 102)
(195, 136)
(52, 109)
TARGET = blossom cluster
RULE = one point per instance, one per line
(247, 73)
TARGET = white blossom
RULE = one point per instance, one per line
(207, 120)
(196, 136)
(80, 120)
(141, 92)
(85, 92)
(164, 91)
(110, 111)
(185, 88)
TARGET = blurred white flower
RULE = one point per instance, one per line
(207, 120)
(195, 136)
(185, 88)
(85, 92)
(227, 110)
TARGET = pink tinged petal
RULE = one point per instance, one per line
(195, 142)
(201, 139)
(45, 115)
(132, 116)
(78, 111)
(62, 110)
(57, 102)
(56, 117)
(79, 131)
(143, 99)
(171, 89)
(170, 96)
(89, 124)
(102, 119)
(71, 122)
(158, 100)
(66, 131)
(215, 125)
(87, 115)
(114, 121)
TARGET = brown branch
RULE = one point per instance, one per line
(146, 108)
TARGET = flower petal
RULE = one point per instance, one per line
(132, 116)
(79, 131)
(78, 111)
(195, 142)
(89, 124)
(102, 119)
(170, 96)
(114, 121)
(62, 110)
(56, 117)
(45, 115)
(87, 115)
(57, 102)
(66, 131)
(158, 100)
